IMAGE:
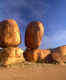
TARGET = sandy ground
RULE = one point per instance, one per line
(34, 72)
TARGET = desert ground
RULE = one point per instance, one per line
(33, 71)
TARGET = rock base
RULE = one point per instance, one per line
(36, 55)
(11, 55)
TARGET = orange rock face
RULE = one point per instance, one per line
(33, 34)
(9, 33)
(36, 55)
(59, 54)
(11, 55)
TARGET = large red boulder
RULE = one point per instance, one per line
(33, 34)
(9, 33)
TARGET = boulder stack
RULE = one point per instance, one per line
(10, 38)
(33, 36)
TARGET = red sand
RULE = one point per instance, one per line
(34, 72)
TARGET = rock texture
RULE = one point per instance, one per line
(36, 55)
(33, 34)
(9, 33)
(59, 54)
(56, 55)
(11, 55)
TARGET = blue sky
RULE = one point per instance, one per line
(51, 12)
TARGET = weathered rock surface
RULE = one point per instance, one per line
(36, 55)
(59, 54)
(11, 55)
(9, 33)
(56, 55)
(33, 34)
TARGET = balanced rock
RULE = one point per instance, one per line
(11, 55)
(9, 33)
(33, 34)
(36, 55)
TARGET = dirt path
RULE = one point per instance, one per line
(34, 72)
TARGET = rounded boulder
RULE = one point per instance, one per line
(33, 35)
(9, 33)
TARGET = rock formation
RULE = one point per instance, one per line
(36, 55)
(11, 55)
(9, 33)
(10, 38)
(33, 34)
(33, 37)
(59, 54)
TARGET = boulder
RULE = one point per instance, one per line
(59, 54)
(36, 55)
(33, 34)
(11, 55)
(9, 33)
